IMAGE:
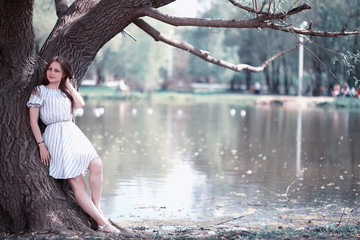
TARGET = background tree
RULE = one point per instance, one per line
(30, 200)
(332, 15)
(211, 39)
(281, 76)
(119, 57)
(137, 60)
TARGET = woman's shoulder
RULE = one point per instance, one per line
(43, 89)
(40, 91)
(39, 88)
(36, 97)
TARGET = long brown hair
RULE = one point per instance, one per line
(68, 73)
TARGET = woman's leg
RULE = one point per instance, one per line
(78, 186)
(95, 181)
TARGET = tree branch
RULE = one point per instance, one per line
(86, 27)
(198, 22)
(160, 3)
(203, 54)
(81, 7)
(248, 9)
(308, 32)
(260, 22)
(61, 7)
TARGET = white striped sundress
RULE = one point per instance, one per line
(70, 150)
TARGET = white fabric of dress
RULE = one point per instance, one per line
(70, 150)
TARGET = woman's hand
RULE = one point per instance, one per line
(44, 154)
(78, 100)
(68, 84)
(34, 118)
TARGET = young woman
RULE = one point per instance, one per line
(63, 147)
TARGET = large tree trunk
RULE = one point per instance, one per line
(267, 79)
(30, 200)
(286, 77)
(275, 78)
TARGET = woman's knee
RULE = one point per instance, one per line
(77, 182)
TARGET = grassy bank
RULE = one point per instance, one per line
(111, 93)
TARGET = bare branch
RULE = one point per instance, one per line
(262, 7)
(263, 21)
(280, 15)
(203, 54)
(309, 32)
(248, 9)
(197, 22)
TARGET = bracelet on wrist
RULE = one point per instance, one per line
(40, 142)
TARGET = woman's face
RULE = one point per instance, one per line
(54, 73)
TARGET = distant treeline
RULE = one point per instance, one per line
(147, 65)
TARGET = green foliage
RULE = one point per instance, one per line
(212, 40)
(247, 46)
(351, 61)
(336, 54)
(43, 21)
(138, 62)
(144, 63)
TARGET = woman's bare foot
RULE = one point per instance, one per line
(128, 232)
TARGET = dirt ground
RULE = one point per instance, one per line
(329, 222)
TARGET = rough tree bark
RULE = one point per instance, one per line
(26, 192)
(30, 200)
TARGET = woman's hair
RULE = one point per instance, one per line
(67, 71)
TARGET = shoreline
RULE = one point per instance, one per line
(299, 226)
(258, 217)
(168, 97)
(294, 101)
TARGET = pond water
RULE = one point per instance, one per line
(207, 160)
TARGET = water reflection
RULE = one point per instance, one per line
(299, 169)
(207, 160)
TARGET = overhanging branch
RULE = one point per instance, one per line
(267, 14)
(309, 32)
(204, 54)
(259, 22)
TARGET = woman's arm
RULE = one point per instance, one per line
(34, 118)
(78, 100)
